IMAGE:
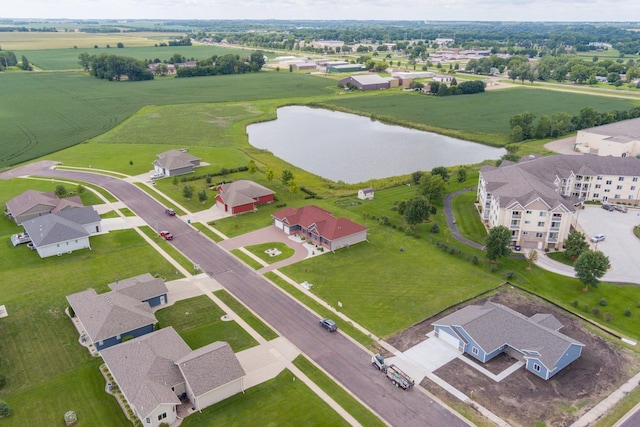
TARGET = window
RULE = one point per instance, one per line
(598, 186)
(619, 187)
(633, 187)
(474, 350)
(617, 196)
(536, 367)
(525, 233)
(596, 195)
(148, 420)
(608, 182)
(538, 234)
(527, 222)
(529, 212)
(162, 416)
(540, 223)
(543, 213)
(635, 179)
(621, 178)
(599, 178)
(606, 190)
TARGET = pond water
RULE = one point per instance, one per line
(351, 148)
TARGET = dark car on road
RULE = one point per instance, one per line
(609, 208)
(170, 212)
(329, 325)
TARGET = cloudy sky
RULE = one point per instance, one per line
(468, 10)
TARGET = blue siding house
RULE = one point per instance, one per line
(486, 331)
(125, 312)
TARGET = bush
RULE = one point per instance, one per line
(595, 311)
(474, 260)
(627, 312)
(510, 275)
(435, 228)
(609, 317)
(5, 411)
(494, 268)
(603, 302)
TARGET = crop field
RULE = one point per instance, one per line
(482, 117)
(67, 59)
(41, 113)
(23, 41)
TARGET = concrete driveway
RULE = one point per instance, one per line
(620, 244)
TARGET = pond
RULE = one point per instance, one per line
(351, 148)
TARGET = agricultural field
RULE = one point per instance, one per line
(45, 112)
(27, 41)
(482, 117)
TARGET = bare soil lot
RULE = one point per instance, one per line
(523, 399)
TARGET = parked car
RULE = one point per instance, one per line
(166, 235)
(597, 238)
(170, 212)
(609, 208)
(620, 208)
(329, 325)
(157, 175)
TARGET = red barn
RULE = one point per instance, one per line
(242, 196)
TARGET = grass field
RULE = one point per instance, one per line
(46, 112)
(167, 247)
(259, 251)
(198, 321)
(258, 325)
(246, 259)
(483, 117)
(282, 401)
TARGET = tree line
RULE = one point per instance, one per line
(225, 64)
(524, 127)
(464, 88)
(114, 67)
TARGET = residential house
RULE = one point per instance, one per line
(175, 162)
(365, 193)
(242, 196)
(32, 204)
(319, 227)
(64, 231)
(125, 311)
(620, 139)
(156, 371)
(485, 331)
(366, 82)
(536, 197)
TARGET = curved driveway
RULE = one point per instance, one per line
(347, 362)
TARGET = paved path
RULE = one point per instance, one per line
(345, 361)
(448, 211)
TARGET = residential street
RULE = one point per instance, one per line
(345, 361)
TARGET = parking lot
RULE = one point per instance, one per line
(620, 244)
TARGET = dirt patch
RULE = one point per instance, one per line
(522, 399)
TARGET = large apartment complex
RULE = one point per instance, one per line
(536, 197)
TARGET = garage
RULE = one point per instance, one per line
(449, 339)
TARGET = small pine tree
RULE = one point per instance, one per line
(5, 410)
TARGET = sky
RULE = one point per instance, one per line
(437, 10)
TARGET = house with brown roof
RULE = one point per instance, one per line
(536, 197)
(242, 196)
(485, 331)
(175, 162)
(366, 193)
(157, 372)
(320, 227)
(32, 204)
(126, 311)
(64, 231)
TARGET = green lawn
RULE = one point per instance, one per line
(126, 212)
(160, 198)
(168, 248)
(110, 214)
(337, 393)
(282, 401)
(198, 321)
(258, 325)
(206, 231)
(560, 257)
(259, 251)
(467, 219)
(246, 259)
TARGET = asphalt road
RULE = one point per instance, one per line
(344, 360)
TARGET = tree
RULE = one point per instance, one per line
(497, 242)
(251, 168)
(293, 188)
(415, 176)
(287, 176)
(442, 171)
(187, 192)
(85, 60)
(532, 258)
(60, 190)
(575, 244)
(269, 174)
(590, 267)
(162, 69)
(433, 187)
(416, 210)
(120, 45)
(461, 174)
(24, 64)
(5, 411)
(202, 196)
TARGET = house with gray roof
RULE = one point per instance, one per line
(64, 231)
(619, 139)
(157, 372)
(366, 82)
(32, 204)
(175, 162)
(144, 288)
(242, 196)
(536, 198)
(485, 331)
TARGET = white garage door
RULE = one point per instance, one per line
(279, 224)
(449, 339)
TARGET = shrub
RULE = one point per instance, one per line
(595, 311)
(435, 228)
(575, 303)
(608, 316)
(627, 312)
(603, 302)
(127, 338)
(585, 308)
(5, 411)
(510, 275)
(494, 268)
(474, 260)
(3, 380)
(384, 220)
